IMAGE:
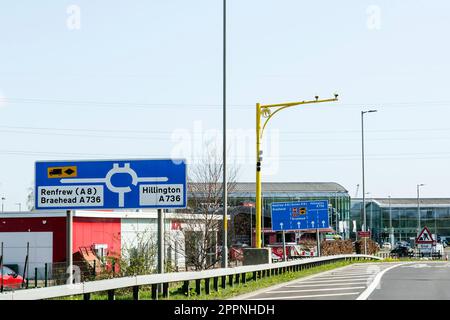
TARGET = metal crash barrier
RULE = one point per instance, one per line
(235, 276)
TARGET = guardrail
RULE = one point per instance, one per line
(416, 255)
(235, 276)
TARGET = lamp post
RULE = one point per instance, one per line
(3, 205)
(267, 112)
(224, 144)
(418, 206)
(391, 230)
(363, 178)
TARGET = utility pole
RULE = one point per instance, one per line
(418, 206)
(391, 230)
(224, 155)
(363, 177)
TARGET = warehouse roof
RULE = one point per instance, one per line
(410, 202)
(291, 187)
(284, 187)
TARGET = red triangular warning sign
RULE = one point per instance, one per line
(424, 236)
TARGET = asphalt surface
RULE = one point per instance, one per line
(340, 284)
(417, 281)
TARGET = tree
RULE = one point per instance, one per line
(199, 231)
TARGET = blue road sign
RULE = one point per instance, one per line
(300, 215)
(110, 184)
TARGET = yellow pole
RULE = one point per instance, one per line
(269, 115)
(258, 178)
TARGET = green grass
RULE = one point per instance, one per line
(176, 292)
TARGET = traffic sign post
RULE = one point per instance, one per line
(425, 241)
(110, 184)
(364, 234)
(300, 215)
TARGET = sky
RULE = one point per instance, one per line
(143, 79)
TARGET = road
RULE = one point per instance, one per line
(418, 281)
(371, 281)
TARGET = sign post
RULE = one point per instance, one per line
(300, 215)
(425, 241)
(111, 184)
(161, 217)
(69, 249)
(318, 242)
(284, 246)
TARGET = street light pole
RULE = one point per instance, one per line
(267, 112)
(3, 205)
(391, 230)
(363, 177)
(224, 155)
(418, 205)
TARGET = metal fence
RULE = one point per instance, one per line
(41, 275)
(233, 275)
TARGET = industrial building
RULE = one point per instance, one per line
(103, 235)
(403, 215)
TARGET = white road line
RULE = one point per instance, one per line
(310, 290)
(309, 296)
(350, 273)
(345, 277)
(375, 283)
(326, 284)
(337, 280)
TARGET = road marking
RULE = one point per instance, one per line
(375, 283)
(326, 284)
(331, 281)
(310, 290)
(344, 277)
(309, 296)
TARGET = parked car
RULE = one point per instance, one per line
(402, 244)
(11, 280)
(402, 251)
